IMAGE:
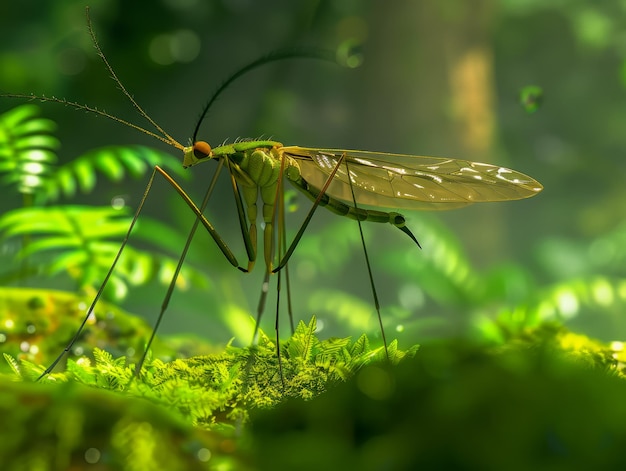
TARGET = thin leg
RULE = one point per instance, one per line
(104, 282)
(181, 260)
(369, 268)
(308, 218)
(250, 246)
(200, 219)
(282, 244)
(277, 329)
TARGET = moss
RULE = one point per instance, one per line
(36, 324)
(70, 426)
(456, 407)
(103, 406)
(543, 398)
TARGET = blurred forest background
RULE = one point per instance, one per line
(427, 77)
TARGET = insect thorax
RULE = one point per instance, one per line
(261, 167)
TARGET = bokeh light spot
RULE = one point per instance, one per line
(603, 293)
(92, 455)
(349, 54)
(181, 46)
(118, 202)
(319, 325)
(204, 454)
(411, 297)
(567, 302)
(375, 383)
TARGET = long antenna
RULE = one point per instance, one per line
(271, 57)
(164, 137)
(92, 33)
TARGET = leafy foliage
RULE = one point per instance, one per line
(114, 162)
(340, 397)
(27, 149)
(221, 389)
(83, 241)
(79, 241)
(28, 158)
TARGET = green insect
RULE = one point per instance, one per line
(346, 182)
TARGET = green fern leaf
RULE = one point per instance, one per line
(15, 366)
(27, 149)
(30, 370)
(103, 358)
(333, 346)
(81, 371)
(362, 345)
(114, 162)
(85, 175)
(303, 340)
(83, 242)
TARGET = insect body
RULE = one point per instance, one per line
(365, 178)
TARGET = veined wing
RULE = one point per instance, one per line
(409, 181)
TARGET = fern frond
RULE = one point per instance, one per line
(113, 162)
(15, 366)
(301, 344)
(27, 149)
(82, 241)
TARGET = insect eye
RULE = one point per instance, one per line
(201, 150)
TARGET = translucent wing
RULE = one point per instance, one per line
(411, 182)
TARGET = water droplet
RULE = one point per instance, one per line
(531, 98)
(92, 455)
(30, 328)
(78, 351)
(319, 325)
(3, 337)
(399, 328)
(130, 351)
(34, 349)
(9, 324)
(24, 346)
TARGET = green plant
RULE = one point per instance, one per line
(79, 241)
(219, 390)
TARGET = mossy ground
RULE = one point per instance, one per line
(543, 399)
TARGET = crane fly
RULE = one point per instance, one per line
(346, 182)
